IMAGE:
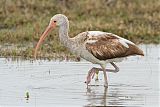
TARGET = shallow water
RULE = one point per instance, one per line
(61, 83)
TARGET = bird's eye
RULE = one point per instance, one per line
(55, 21)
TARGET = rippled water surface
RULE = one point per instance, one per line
(61, 83)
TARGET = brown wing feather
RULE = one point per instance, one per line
(109, 47)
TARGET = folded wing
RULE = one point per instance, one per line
(109, 46)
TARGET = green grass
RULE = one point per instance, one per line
(23, 21)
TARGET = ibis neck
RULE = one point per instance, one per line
(63, 35)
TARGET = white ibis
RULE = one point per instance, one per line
(94, 46)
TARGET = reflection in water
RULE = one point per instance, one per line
(116, 94)
(95, 97)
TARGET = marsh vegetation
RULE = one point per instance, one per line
(22, 22)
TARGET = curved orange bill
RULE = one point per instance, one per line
(44, 35)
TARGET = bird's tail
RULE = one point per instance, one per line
(140, 52)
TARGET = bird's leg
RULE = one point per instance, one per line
(94, 71)
(105, 78)
(91, 74)
(111, 70)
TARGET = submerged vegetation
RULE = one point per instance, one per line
(23, 21)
